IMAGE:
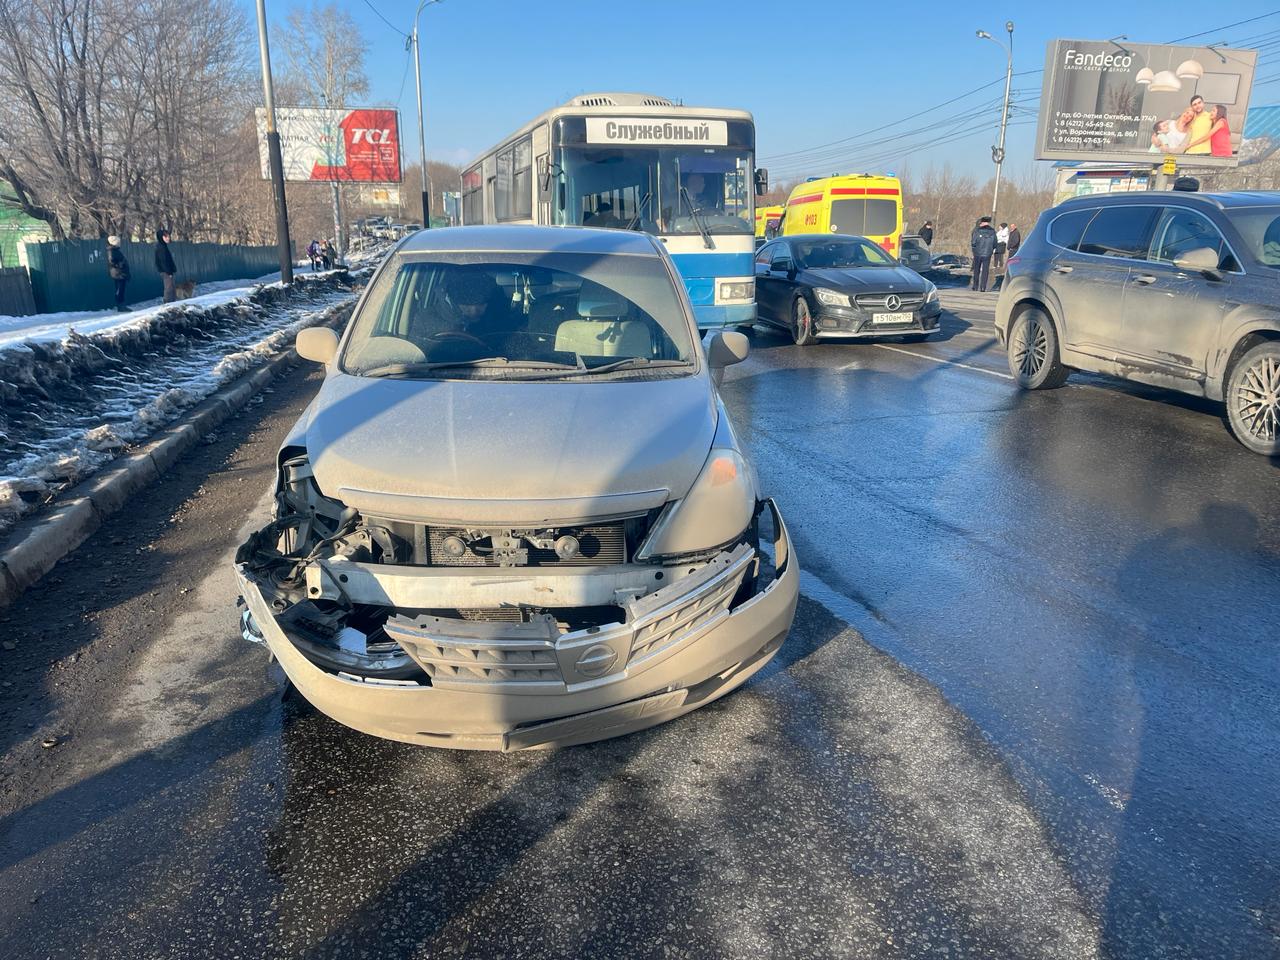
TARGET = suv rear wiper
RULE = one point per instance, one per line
(697, 219)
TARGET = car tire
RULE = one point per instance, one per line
(1034, 359)
(1253, 399)
(802, 323)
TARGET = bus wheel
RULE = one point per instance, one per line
(802, 323)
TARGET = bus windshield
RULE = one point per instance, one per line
(661, 190)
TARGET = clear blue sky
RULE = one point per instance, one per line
(811, 71)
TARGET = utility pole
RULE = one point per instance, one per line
(422, 135)
(275, 161)
(997, 152)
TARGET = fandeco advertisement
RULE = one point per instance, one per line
(1112, 100)
(319, 144)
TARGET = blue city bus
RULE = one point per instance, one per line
(639, 162)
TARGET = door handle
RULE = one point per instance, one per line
(1145, 278)
(1062, 268)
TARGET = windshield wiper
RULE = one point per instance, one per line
(632, 223)
(408, 369)
(645, 362)
(697, 219)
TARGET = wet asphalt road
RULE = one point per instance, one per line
(1028, 710)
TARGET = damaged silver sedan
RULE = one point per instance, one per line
(516, 514)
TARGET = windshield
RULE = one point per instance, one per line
(520, 316)
(842, 252)
(1260, 229)
(662, 190)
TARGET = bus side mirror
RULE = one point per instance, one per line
(762, 181)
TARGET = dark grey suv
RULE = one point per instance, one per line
(1179, 290)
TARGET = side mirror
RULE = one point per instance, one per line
(1202, 260)
(727, 348)
(319, 344)
(762, 181)
(782, 265)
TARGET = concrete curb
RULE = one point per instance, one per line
(36, 545)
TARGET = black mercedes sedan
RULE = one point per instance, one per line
(832, 285)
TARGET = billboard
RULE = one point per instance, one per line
(1117, 101)
(320, 144)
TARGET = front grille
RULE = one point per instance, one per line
(599, 544)
(876, 301)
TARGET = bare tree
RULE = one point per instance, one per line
(112, 117)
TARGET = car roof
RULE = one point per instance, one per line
(1221, 201)
(511, 238)
(821, 236)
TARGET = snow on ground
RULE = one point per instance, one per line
(78, 389)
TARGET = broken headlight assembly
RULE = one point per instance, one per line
(715, 513)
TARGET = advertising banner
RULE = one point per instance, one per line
(319, 144)
(1116, 101)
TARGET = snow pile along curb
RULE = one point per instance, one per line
(72, 405)
(35, 545)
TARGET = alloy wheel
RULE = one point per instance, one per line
(1031, 348)
(1258, 399)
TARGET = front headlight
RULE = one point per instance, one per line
(737, 290)
(715, 512)
(930, 292)
(831, 298)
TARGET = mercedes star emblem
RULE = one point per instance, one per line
(892, 301)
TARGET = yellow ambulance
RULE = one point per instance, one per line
(864, 204)
(763, 216)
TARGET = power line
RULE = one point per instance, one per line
(1228, 26)
(939, 106)
(378, 14)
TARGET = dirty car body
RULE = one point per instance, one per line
(516, 514)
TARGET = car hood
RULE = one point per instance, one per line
(490, 453)
(865, 279)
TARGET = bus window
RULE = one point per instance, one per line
(865, 218)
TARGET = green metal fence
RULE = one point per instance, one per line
(72, 274)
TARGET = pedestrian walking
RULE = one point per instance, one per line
(926, 233)
(1015, 239)
(982, 244)
(117, 269)
(1002, 244)
(313, 251)
(330, 255)
(165, 265)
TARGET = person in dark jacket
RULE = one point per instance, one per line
(117, 269)
(165, 265)
(982, 243)
(1015, 239)
(926, 233)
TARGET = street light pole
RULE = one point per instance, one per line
(275, 161)
(339, 247)
(997, 152)
(422, 135)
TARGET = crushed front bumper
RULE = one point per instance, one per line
(504, 686)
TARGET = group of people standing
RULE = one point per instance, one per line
(987, 244)
(120, 274)
(1194, 132)
(323, 256)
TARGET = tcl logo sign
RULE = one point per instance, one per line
(360, 134)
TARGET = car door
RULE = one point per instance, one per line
(765, 286)
(1171, 313)
(1090, 281)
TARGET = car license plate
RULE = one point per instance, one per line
(888, 318)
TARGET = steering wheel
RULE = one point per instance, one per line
(456, 336)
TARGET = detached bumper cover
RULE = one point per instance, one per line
(503, 686)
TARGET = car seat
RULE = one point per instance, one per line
(603, 330)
